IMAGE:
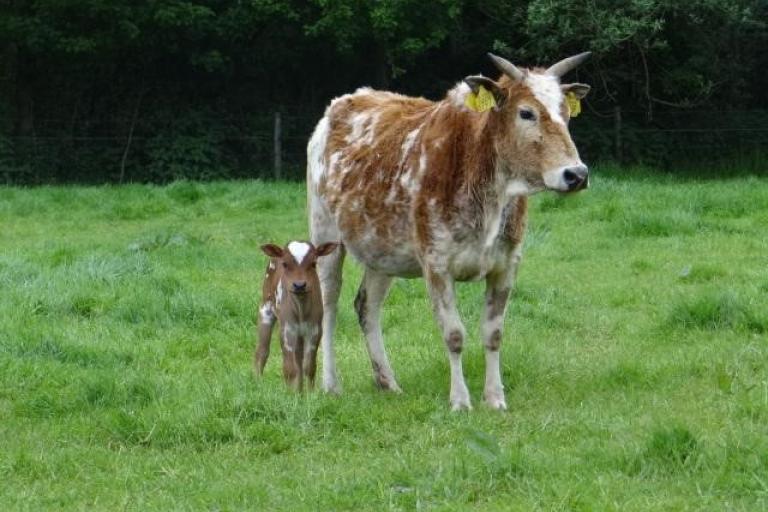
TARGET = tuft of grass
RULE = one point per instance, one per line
(671, 449)
(718, 310)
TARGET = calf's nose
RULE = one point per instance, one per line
(576, 177)
(300, 286)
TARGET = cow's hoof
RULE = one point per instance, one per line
(332, 388)
(496, 403)
(385, 383)
(494, 398)
(461, 404)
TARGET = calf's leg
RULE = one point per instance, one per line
(266, 323)
(310, 359)
(292, 359)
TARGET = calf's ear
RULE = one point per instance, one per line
(326, 248)
(272, 250)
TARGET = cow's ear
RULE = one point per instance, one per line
(326, 248)
(579, 90)
(272, 250)
(475, 82)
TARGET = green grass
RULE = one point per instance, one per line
(635, 360)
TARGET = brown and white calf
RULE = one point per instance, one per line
(291, 295)
(416, 188)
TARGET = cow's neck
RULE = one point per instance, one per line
(486, 187)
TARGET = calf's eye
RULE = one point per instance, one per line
(285, 265)
(528, 115)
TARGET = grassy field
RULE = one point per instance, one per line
(635, 360)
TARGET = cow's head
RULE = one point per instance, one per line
(297, 262)
(530, 119)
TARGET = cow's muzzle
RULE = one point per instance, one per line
(576, 178)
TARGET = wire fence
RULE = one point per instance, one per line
(273, 145)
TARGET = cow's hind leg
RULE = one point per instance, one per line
(329, 271)
(370, 296)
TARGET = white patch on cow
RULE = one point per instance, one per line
(357, 123)
(370, 130)
(492, 225)
(267, 313)
(405, 149)
(517, 188)
(279, 292)
(316, 150)
(458, 95)
(408, 181)
(271, 265)
(299, 250)
(547, 90)
(392, 195)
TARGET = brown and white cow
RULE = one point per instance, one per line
(415, 188)
(291, 294)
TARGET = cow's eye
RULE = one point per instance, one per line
(528, 115)
(285, 265)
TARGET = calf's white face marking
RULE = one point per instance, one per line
(298, 250)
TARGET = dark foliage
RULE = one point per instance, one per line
(154, 90)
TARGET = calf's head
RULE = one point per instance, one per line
(530, 122)
(296, 264)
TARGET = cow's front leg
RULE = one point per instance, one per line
(443, 297)
(496, 294)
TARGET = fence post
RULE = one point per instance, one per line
(618, 153)
(278, 165)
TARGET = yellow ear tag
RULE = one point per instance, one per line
(574, 104)
(480, 101)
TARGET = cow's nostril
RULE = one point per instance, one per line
(299, 286)
(575, 177)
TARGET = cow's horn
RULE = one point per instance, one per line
(565, 65)
(506, 67)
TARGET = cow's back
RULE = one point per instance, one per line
(364, 171)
